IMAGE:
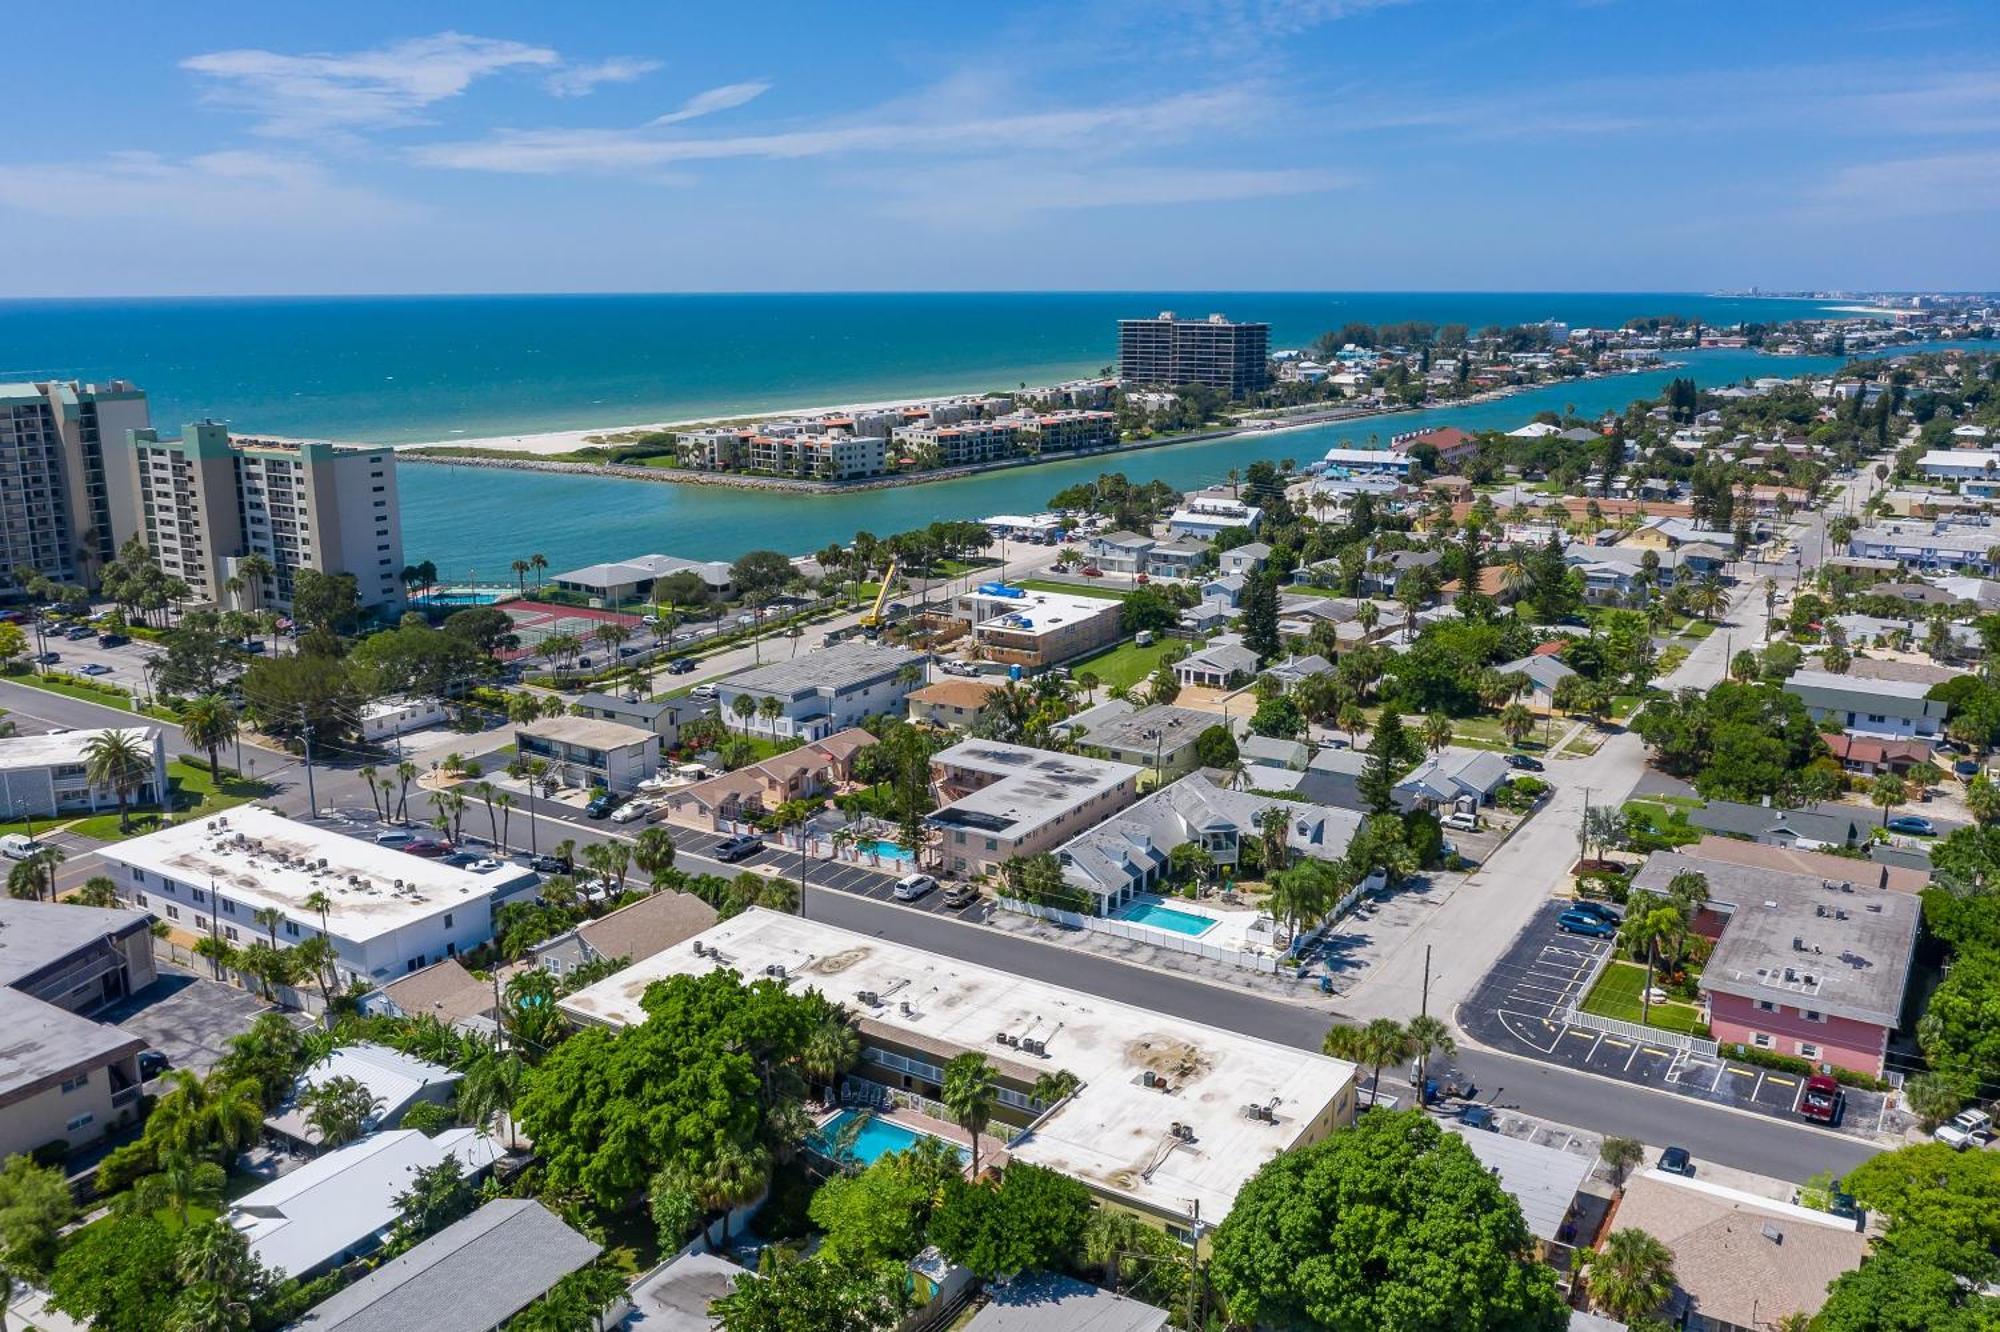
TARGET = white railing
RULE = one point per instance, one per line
(1573, 1015)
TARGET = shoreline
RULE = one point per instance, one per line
(536, 457)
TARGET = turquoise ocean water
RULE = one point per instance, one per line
(402, 369)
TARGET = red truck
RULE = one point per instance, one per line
(1821, 1099)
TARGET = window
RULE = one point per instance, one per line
(1807, 1050)
(447, 920)
(138, 899)
(173, 913)
(79, 1122)
(229, 933)
(1766, 1006)
(199, 896)
(228, 907)
(992, 845)
(77, 1083)
(1812, 1015)
(1761, 1040)
(291, 929)
(201, 922)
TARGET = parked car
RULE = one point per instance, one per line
(1821, 1099)
(15, 846)
(46, 658)
(547, 865)
(428, 850)
(77, 631)
(627, 651)
(395, 837)
(1462, 819)
(960, 895)
(702, 690)
(913, 886)
(1676, 1161)
(1585, 923)
(1524, 763)
(1603, 911)
(112, 640)
(603, 803)
(583, 663)
(152, 1063)
(732, 849)
(1092, 571)
(1966, 768)
(1967, 1128)
(1915, 825)
(632, 810)
(1479, 1117)
(97, 668)
(681, 666)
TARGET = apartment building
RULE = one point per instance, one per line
(207, 501)
(1068, 431)
(828, 457)
(1172, 352)
(963, 442)
(55, 510)
(997, 801)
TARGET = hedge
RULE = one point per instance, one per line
(1805, 1068)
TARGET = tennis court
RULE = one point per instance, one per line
(535, 621)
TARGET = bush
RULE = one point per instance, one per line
(1610, 887)
(783, 1215)
(51, 1153)
(1780, 1063)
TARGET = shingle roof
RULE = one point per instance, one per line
(470, 1276)
(1046, 1302)
(648, 925)
(446, 991)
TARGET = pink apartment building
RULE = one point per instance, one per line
(1804, 966)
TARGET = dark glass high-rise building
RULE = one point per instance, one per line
(1174, 353)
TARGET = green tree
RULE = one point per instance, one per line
(222, 1282)
(35, 1206)
(1033, 1217)
(792, 1294)
(202, 1115)
(1886, 792)
(119, 761)
(438, 1195)
(970, 1092)
(1391, 1223)
(1621, 1154)
(1982, 800)
(1631, 1274)
(1386, 753)
(118, 1275)
(340, 1109)
(884, 1212)
(1215, 748)
(1260, 614)
(209, 723)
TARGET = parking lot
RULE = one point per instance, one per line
(123, 665)
(1518, 1009)
(187, 1017)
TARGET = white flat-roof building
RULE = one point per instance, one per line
(1959, 464)
(822, 692)
(45, 775)
(590, 751)
(1237, 1100)
(1023, 627)
(997, 801)
(387, 718)
(388, 913)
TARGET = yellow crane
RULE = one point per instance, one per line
(872, 621)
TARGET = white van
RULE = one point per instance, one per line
(14, 846)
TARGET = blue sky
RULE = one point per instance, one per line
(228, 147)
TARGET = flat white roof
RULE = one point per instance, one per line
(1040, 613)
(262, 859)
(1114, 1133)
(46, 751)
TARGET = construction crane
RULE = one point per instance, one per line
(871, 623)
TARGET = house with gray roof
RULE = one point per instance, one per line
(472, 1276)
(1223, 587)
(1160, 738)
(1296, 668)
(1223, 664)
(1268, 751)
(1049, 1302)
(1544, 671)
(1244, 559)
(1453, 774)
(663, 718)
(1175, 559)
(1128, 854)
(1119, 552)
(1899, 709)
(1808, 829)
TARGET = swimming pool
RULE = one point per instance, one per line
(459, 596)
(878, 1137)
(886, 850)
(1162, 917)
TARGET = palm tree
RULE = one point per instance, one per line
(209, 723)
(200, 1114)
(520, 568)
(1382, 1041)
(830, 1051)
(745, 707)
(485, 790)
(491, 1084)
(1429, 1035)
(1517, 723)
(118, 760)
(35, 875)
(970, 1093)
(1631, 1274)
(537, 563)
(1437, 731)
(406, 772)
(653, 853)
(770, 709)
(736, 1176)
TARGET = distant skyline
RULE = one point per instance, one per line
(1199, 145)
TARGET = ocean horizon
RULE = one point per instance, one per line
(410, 369)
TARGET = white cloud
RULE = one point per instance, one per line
(993, 193)
(1094, 129)
(222, 191)
(715, 99)
(582, 80)
(1928, 186)
(298, 96)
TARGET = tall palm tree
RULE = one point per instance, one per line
(770, 709)
(1429, 1036)
(831, 1049)
(653, 852)
(117, 760)
(520, 568)
(253, 570)
(1437, 731)
(35, 874)
(537, 563)
(736, 1175)
(491, 1084)
(199, 1114)
(1631, 1274)
(270, 918)
(970, 1093)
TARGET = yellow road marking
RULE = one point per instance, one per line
(1742, 1072)
(1782, 1082)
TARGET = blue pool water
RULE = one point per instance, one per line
(879, 1137)
(1166, 918)
(458, 597)
(886, 850)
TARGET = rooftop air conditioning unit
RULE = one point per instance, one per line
(1148, 1078)
(867, 997)
(775, 970)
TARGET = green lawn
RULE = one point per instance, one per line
(1073, 589)
(1700, 628)
(69, 689)
(1126, 664)
(956, 568)
(1616, 996)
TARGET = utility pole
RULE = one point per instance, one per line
(1195, 1299)
(312, 799)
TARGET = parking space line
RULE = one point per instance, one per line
(1775, 1080)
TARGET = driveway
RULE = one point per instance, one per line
(1517, 1010)
(186, 1017)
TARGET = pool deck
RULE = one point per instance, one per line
(1230, 930)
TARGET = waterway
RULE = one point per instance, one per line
(476, 521)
